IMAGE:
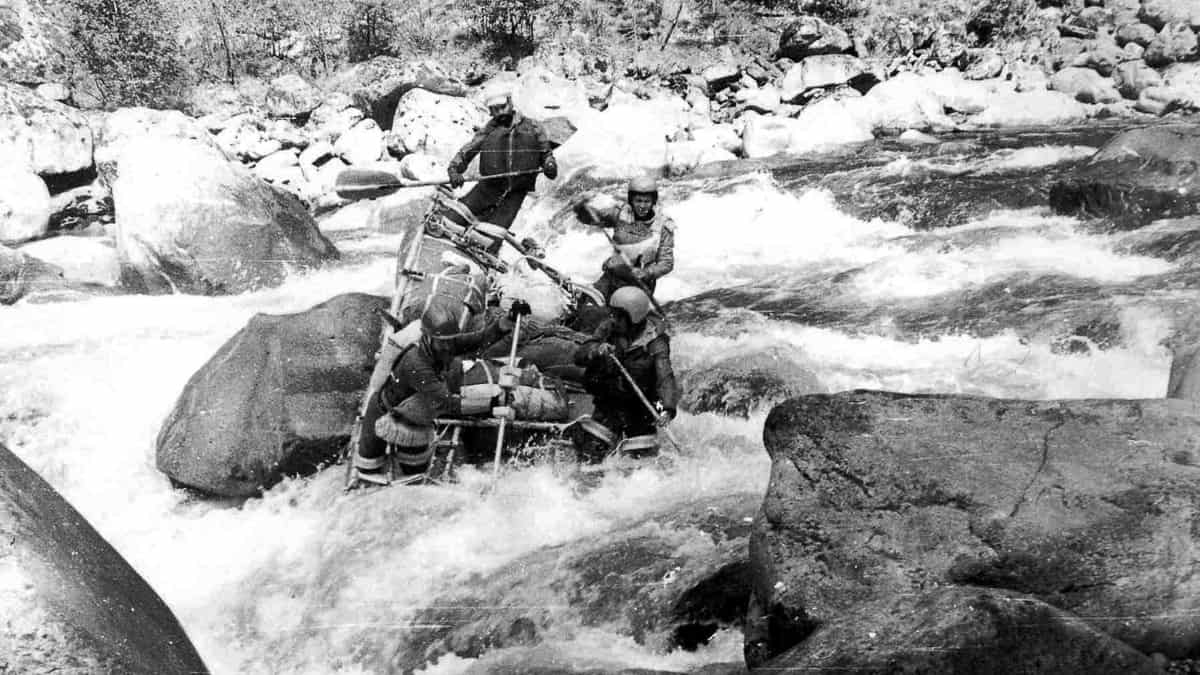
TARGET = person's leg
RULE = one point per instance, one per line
(641, 432)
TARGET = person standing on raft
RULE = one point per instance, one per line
(643, 240)
(509, 142)
(638, 340)
(402, 411)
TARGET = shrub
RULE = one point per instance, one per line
(129, 49)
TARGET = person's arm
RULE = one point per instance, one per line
(605, 214)
(468, 342)
(435, 398)
(549, 165)
(664, 261)
(664, 374)
(462, 159)
(596, 347)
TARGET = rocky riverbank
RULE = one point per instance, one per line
(270, 150)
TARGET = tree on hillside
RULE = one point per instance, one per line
(128, 47)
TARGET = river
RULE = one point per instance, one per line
(890, 268)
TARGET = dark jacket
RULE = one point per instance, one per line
(521, 146)
(647, 357)
(417, 388)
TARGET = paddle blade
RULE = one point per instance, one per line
(366, 183)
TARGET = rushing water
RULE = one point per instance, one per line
(896, 269)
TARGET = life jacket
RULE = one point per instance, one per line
(507, 149)
(638, 240)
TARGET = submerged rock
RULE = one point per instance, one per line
(71, 603)
(1088, 506)
(1138, 176)
(278, 398)
(747, 383)
(669, 581)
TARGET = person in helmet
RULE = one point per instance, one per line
(643, 238)
(508, 142)
(637, 339)
(402, 411)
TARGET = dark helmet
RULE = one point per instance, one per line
(643, 185)
(438, 322)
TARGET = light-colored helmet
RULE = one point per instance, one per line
(633, 300)
(643, 185)
(498, 98)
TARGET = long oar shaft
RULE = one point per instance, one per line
(640, 284)
(642, 397)
(352, 183)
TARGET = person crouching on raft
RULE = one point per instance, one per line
(401, 413)
(644, 239)
(639, 340)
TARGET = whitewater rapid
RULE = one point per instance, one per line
(309, 580)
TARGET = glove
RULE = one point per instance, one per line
(456, 177)
(603, 351)
(532, 248)
(550, 167)
(665, 417)
(519, 308)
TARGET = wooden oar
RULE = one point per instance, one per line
(645, 401)
(640, 284)
(370, 183)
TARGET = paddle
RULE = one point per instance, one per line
(645, 401)
(370, 183)
(640, 284)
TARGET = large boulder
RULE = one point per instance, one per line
(826, 70)
(376, 85)
(22, 275)
(34, 46)
(960, 630)
(626, 140)
(89, 260)
(336, 115)
(1088, 506)
(72, 604)
(45, 135)
(1138, 176)
(809, 36)
(1136, 33)
(201, 224)
(114, 132)
(279, 398)
(1159, 13)
(435, 124)
(906, 101)
(1184, 77)
(24, 204)
(541, 94)
(1085, 84)
(1175, 43)
(1134, 77)
(291, 96)
(1031, 108)
(361, 144)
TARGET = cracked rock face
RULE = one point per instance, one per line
(1089, 506)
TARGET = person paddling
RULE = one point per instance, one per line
(508, 143)
(402, 411)
(637, 340)
(643, 239)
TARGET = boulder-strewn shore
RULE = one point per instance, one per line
(271, 148)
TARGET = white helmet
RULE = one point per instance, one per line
(633, 300)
